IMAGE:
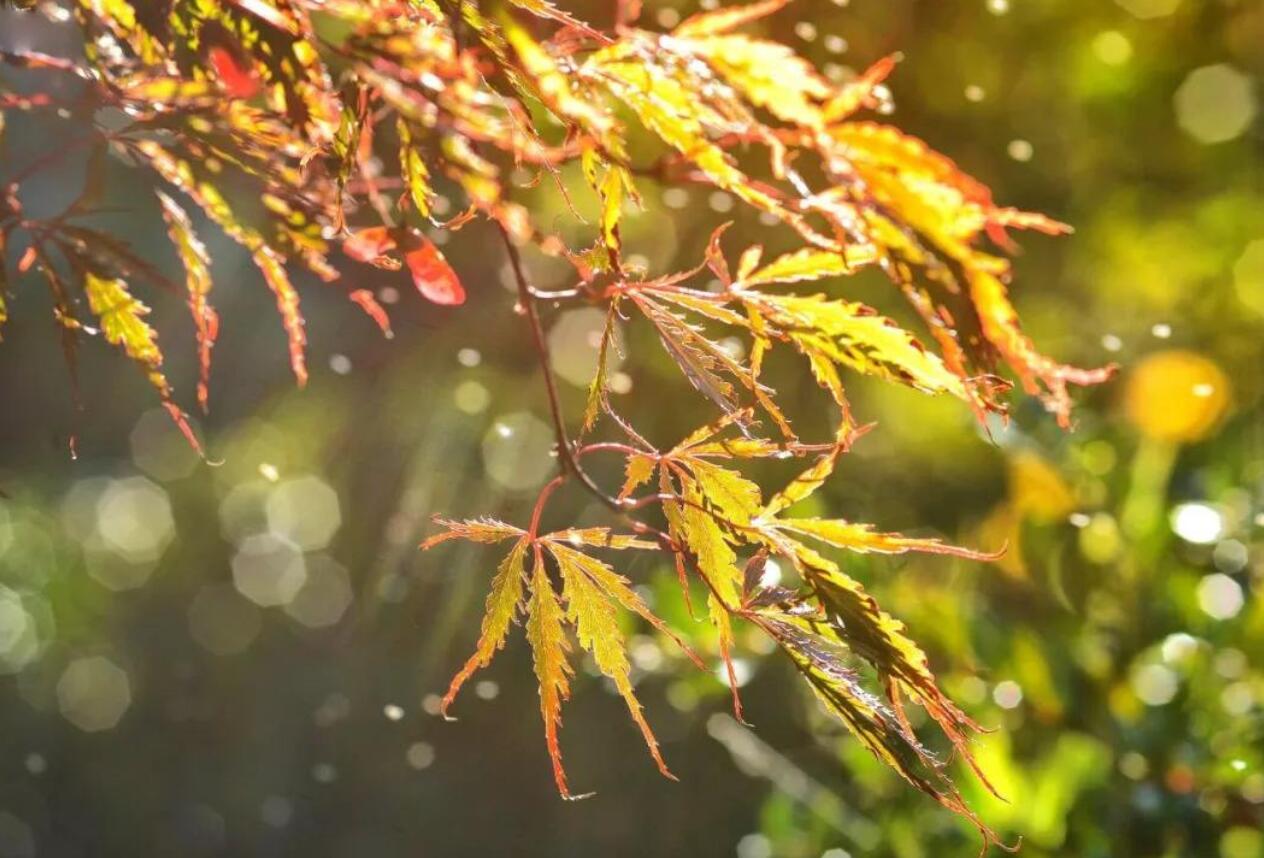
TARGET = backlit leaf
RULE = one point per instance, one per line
(413, 170)
(549, 649)
(486, 530)
(596, 626)
(597, 388)
(278, 281)
(724, 19)
(811, 264)
(502, 607)
(640, 469)
(863, 538)
(197, 270)
(1001, 326)
(432, 275)
(122, 320)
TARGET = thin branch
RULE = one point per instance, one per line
(566, 453)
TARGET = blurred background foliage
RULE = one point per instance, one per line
(243, 659)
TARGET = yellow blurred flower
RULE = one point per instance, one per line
(1176, 396)
(1037, 490)
(1100, 540)
(1003, 527)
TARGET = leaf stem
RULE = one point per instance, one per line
(566, 453)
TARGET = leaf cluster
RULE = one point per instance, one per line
(301, 127)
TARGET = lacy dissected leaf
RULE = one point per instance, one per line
(1002, 328)
(724, 492)
(549, 649)
(586, 589)
(197, 270)
(286, 295)
(555, 88)
(598, 537)
(770, 75)
(880, 639)
(710, 441)
(880, 152)
(812, 264)
(591, 591)
(693, 526)
(707, 304)
(597, 388)
(485, 530)
(819, 657)
(862, 538)
(413, 170)
(722, 20)
(732, 495)
(502, 607)
(949, 210)
(122, 320)
(282, 221)
(261, 46)
(639, 470)
(700, 359)
(671, 109)
(614, 189)
(855, 336)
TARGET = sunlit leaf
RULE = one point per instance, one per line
(287, 305)
(1001, 325)
(589, 608)
(363, 298)
(197, 269)
(486, 530)
(549, 649)
(413, 170)
(597, 389)
(727, 18)
(811, 264)
(502, 607)
(640, 469)
(863, 538)
(122, 320)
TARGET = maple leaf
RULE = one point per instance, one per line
(197, 268)
(716, 21)
(122, 319)
(278, 281)
(502, 605)
(413, 169)
(552, 670)
(592, 592)
(597, 388)
(430, 271)
(589, 588)
(459, 105)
